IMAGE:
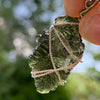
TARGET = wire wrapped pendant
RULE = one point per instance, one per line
(59, 50)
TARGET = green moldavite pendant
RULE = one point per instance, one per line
(62, 44)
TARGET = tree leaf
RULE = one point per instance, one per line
(40, 60)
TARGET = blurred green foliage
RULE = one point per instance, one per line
(20, 20)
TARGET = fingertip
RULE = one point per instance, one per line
(93, 30)
(73, 7)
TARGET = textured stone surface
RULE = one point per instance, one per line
(40, 60)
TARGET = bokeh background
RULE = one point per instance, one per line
(20, 21)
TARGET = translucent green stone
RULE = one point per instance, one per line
(40, 60)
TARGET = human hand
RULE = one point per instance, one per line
(89, 26)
